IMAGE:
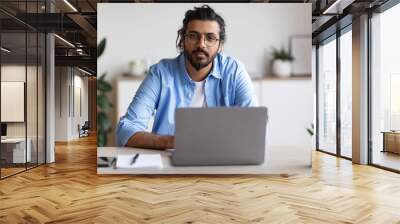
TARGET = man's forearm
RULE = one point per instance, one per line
(151, 141)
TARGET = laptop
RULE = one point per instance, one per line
(219, 136)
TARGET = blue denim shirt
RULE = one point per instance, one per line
(168, 86)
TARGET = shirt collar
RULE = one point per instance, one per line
(215, 71)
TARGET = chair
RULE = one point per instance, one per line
(84, 130)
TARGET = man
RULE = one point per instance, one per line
(199, 77)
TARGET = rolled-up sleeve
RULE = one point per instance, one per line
(244, 92)
(141, 109)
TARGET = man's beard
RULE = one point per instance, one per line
(197, 62)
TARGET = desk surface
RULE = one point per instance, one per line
(278, 160)
(13, 140)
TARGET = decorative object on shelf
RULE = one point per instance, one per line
(282, 62)
(138, 67)
(103, 103)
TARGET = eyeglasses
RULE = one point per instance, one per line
(210, 39)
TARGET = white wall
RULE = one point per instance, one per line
(68, 83)
(136, 31)
(61, 103)
(80, 103)
(314, 97)
(17, 73)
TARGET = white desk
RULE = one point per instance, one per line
(279, 160)
(18, 149)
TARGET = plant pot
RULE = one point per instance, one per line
(137, 67)
(282, 68)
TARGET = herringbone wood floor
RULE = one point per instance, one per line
(70, 191)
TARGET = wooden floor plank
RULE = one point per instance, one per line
(70, 191)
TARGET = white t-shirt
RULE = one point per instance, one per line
(198, 99)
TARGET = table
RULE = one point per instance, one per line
(16, 147)
(279, 160)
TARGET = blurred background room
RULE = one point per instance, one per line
(273, 41)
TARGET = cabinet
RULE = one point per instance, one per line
(126, 90)
(290, 108)
(391, 142)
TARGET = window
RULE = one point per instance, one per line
(346, 93)
(385, 89)
(327, 96)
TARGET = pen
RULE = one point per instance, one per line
(135, 158)
(113, 163)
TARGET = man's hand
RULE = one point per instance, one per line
(151, 141)
(169, 141)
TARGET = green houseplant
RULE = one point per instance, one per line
(282, 62)
(103, 103)
(281, 54)
(310, 130)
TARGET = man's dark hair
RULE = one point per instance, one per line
(205, 13)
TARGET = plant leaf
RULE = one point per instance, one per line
(310, 132)
(103, 122)
(101, 138)
(101, 47)
(103, 102)
(281, 54)
(102, 76)
(103, 85)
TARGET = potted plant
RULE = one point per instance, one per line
(311, 132)
(103, 103)
(282, 62)
(137, 67)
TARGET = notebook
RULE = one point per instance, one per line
(142, 161)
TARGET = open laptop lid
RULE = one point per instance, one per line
(220, 136)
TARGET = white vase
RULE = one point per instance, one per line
(282, 68)
(137, 67)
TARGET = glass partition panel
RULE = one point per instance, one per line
(327, 96)
(346, 94)
(22, 67)
(31, 98)
(41, 78)
(14, 153)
